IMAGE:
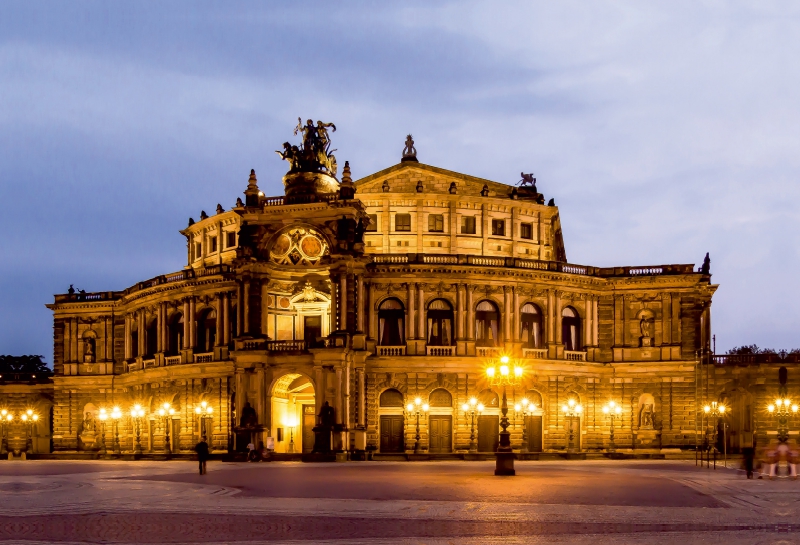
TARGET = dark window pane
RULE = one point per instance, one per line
(402, 222)
(436, 223)
(526, 230)
(373, 223)
(468, 225)
(499, 228)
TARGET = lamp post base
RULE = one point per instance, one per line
(504, 464)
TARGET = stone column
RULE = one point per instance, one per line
(507, 326)
(666, 312)
(559, 332)
(343, 301)
(106, 339)
(470, 313)
(192, 322)
(460, 312)
(588, 322)
(360, 306)
(239, 309)
(362, 398)
(339, 394)
(160, 328)
(142, 333)
(186, 327)
(410, 316)
(551, 321)
(515, 334)
(595, 322)
(226, 320)
(421, 314)
(334, 306)
(246, 307)
(372, 316)
(128, 346)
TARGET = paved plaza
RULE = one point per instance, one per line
(597, 502)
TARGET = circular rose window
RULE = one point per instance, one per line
(311, 246)
(282, 245)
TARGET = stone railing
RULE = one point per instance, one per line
(172, 360)
(573, 355)
(523, 263)
(534, 353)
(285, 346)
(134, 366)
(487, 351)
(440, 350)
(753, 359)
(146, 364)
(206, 357)
(391, 350)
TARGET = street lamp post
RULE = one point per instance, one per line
(571, 409)
(471, 409)
(116, 414)
(716, 410)
(166, 411)
(504, 376)
(417, 408)
(526, 408)
(290, 422)
(204, 411)
(29, 418)
(103, 416)
(5, 420)
(783, 408)
(137, 413)
(612, 409)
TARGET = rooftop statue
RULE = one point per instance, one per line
(527, 179)
(314, 154)
(409, 151)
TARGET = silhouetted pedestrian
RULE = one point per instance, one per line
(749, 454)
(202, 454)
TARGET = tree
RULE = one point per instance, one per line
(23, 364)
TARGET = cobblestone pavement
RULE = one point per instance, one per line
(434, 503)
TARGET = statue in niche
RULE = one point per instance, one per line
(249, 417)
(646, 329)
(88, 425)
(646, 417)
(88, 350)
(326, 420)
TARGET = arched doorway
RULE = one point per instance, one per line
(571, 329)
(293, 414)
(440, 421)
(391, 323)
(489, 421)
(392, 421)
(440, 323)
(533, 421)
(487, 324)
(206, 331)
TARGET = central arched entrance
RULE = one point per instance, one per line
(293, 414)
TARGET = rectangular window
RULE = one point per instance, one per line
(230, 241)
(402, 243)
(526, 230)
(402, 222)
(198, 250)
(499, 228)
(213, 241)
(373, 223)
(467, 225)
(436, 223)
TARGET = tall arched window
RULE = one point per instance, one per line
(391, 398)
(391, 323)
(151, 337)
(134, 339)
(206, 330)
(487, 324)
(571, 329)
(440, 323)
(531, 320)
(175, 337)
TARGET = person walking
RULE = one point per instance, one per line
(202, 454)
(749, 454)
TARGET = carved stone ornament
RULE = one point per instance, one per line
(409, 151)
(314, 153)
(298, 246)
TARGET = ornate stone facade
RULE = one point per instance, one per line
(408, 289)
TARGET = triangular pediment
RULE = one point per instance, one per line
(404, 178)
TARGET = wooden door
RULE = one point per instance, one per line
(440, 437)
(309, 421)
(392, 433)
(312, 328)
(533, 425)
(176, 435)
(488, 433)
(574, 433)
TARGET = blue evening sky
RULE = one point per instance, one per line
(662, 129)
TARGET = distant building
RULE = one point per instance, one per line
(367, 295)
